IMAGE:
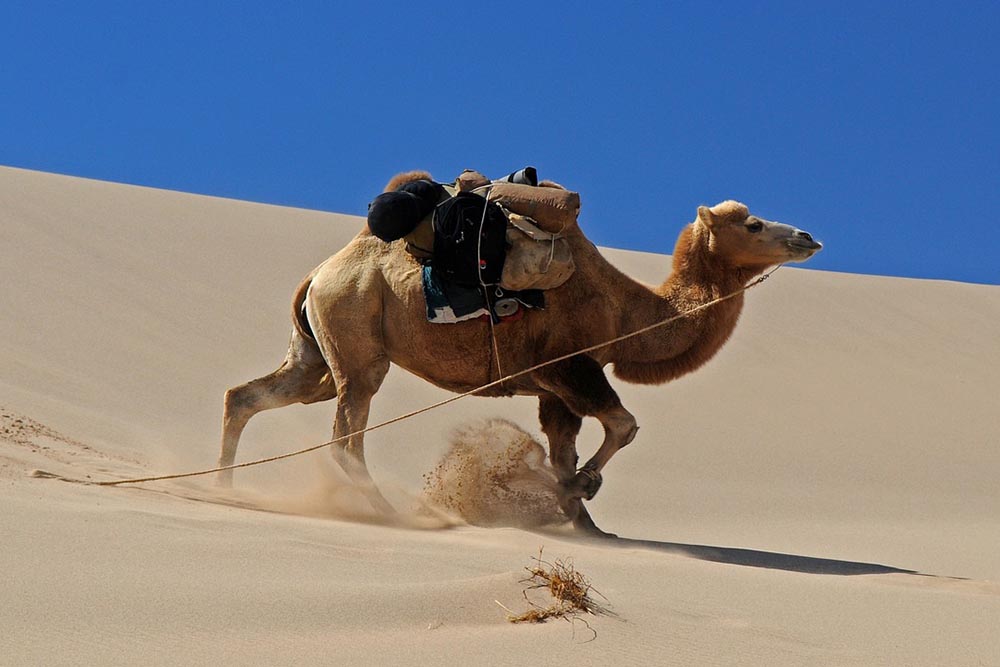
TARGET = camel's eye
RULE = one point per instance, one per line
(755, 226)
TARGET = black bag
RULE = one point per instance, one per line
(470, 246)
(393, 215)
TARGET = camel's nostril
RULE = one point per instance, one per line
(803, 235)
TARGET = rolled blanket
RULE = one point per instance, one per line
(553, 209)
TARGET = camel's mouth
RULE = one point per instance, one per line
(803, 247)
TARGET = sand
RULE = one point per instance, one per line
(822, 493)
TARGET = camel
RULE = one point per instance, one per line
(363, 309)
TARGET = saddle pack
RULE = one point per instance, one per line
(507, 232)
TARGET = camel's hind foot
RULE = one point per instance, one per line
(378, 501)
(353, 463)
(224, 478)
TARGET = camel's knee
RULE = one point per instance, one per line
(620, 427)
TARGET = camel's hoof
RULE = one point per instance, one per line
(379, 503)
(603, 534)
(585, 484)
(591, 530)
(583, 523)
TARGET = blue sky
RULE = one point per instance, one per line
(874, 125)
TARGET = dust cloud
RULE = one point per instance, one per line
(495, 474)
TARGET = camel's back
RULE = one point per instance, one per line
(375, 289)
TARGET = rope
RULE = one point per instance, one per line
(482, 283)
(450, 399)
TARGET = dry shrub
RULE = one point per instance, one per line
(570, 591)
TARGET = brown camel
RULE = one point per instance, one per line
(364, 308)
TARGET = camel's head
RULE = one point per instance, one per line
(747, 241)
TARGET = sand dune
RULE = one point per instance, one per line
(823, 492)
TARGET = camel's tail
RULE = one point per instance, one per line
(299, 318)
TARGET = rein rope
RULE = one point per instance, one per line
(442, 403)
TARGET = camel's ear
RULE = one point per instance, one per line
(706, 216)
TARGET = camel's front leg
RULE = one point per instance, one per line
(581, 386)
(619, 430)
(561, 427)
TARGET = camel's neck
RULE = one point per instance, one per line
(682, 346)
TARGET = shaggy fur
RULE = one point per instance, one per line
(399, 180)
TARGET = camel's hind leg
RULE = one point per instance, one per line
(358, 379)
(345, 310)
(302, 378)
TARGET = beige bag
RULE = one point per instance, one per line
(536, 259)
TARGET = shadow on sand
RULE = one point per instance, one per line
(753, 558)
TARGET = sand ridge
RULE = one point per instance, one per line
(821, 493)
